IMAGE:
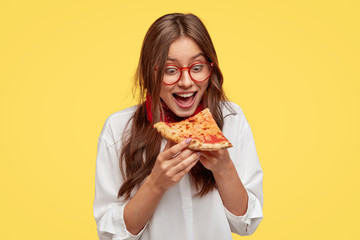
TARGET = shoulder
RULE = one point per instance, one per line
(234, 118)
(232, 111)
(115, 124)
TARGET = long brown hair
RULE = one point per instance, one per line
(141, 143)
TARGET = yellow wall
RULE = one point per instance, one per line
(293, 66)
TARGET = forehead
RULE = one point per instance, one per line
(183, 48)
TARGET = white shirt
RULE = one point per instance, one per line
(179, 215)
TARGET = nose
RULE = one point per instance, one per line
(185, 81)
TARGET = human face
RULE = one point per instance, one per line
(184, 96)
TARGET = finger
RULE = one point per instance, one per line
(206, 159)
(179, 157)
(172, 151)
(168, 145)
(182, 173)
(175, 160)
(185, 163)
(208, 154)
(203, 160)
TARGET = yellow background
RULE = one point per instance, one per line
(293, 66)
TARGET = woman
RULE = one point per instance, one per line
(149, 188)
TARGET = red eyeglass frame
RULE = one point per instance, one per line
(188, 69)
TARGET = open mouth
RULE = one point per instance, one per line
(184, 100)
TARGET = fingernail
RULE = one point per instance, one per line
(188, 141)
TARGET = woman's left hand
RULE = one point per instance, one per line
(216, 161)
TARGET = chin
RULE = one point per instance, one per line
(180, 112)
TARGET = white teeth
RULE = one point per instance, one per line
(185, 95)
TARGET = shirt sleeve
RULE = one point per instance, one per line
(248, 167)
(108, 209)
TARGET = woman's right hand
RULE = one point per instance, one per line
(172, 164)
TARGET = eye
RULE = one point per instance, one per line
(171, 70)
(197, 68)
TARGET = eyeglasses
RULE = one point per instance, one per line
(198, 72)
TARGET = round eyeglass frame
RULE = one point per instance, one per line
(211, 64)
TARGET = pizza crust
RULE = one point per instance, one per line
(198, 146)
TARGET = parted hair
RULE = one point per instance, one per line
(141, 142)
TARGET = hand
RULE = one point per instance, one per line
(172, 164)
(216, 161)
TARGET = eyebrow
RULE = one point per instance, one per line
(197, 55)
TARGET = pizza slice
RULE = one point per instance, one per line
(201, 128)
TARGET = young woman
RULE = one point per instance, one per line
(150, 188)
